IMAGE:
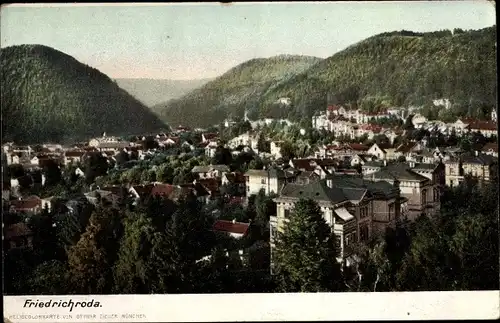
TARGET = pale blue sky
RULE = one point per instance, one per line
(205, 40)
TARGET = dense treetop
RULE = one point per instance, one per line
(393, 69)
(50, 96)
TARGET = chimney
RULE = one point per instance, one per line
(329, 182)
(412, 164)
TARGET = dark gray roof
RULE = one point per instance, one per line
(400, 171)
(374, 163)
(318, 191)
(480, 159)
(356, 185)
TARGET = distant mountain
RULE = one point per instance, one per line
(151, 91)
(231, 93)
(390, 69)
(50, 96)
(401, 68)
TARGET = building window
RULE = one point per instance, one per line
(363, 212)
(263, 181)
(424, 197)
(391, 210)
(287, 213)
(272, 232)
(349, 239)
(364, 233)
(338, 242)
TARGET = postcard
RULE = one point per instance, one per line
(290, 161)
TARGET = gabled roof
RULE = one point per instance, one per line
(231, 227)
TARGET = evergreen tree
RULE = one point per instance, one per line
(92, 258)
(305, 259)
(130, 271)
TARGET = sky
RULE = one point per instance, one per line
(195, 41)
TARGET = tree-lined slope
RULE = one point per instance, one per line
(50, 96)
(394, 69)
(238, 89)
(402, 68)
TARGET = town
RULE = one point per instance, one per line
(366, 172)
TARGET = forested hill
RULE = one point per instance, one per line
(50, 96)
(240, 88)
(401, 68)
(393, 69)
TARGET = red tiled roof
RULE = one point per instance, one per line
(483, 125)
(305, 164)
(162, 190)
(143, 190)
(230, 227)
(17, 230)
